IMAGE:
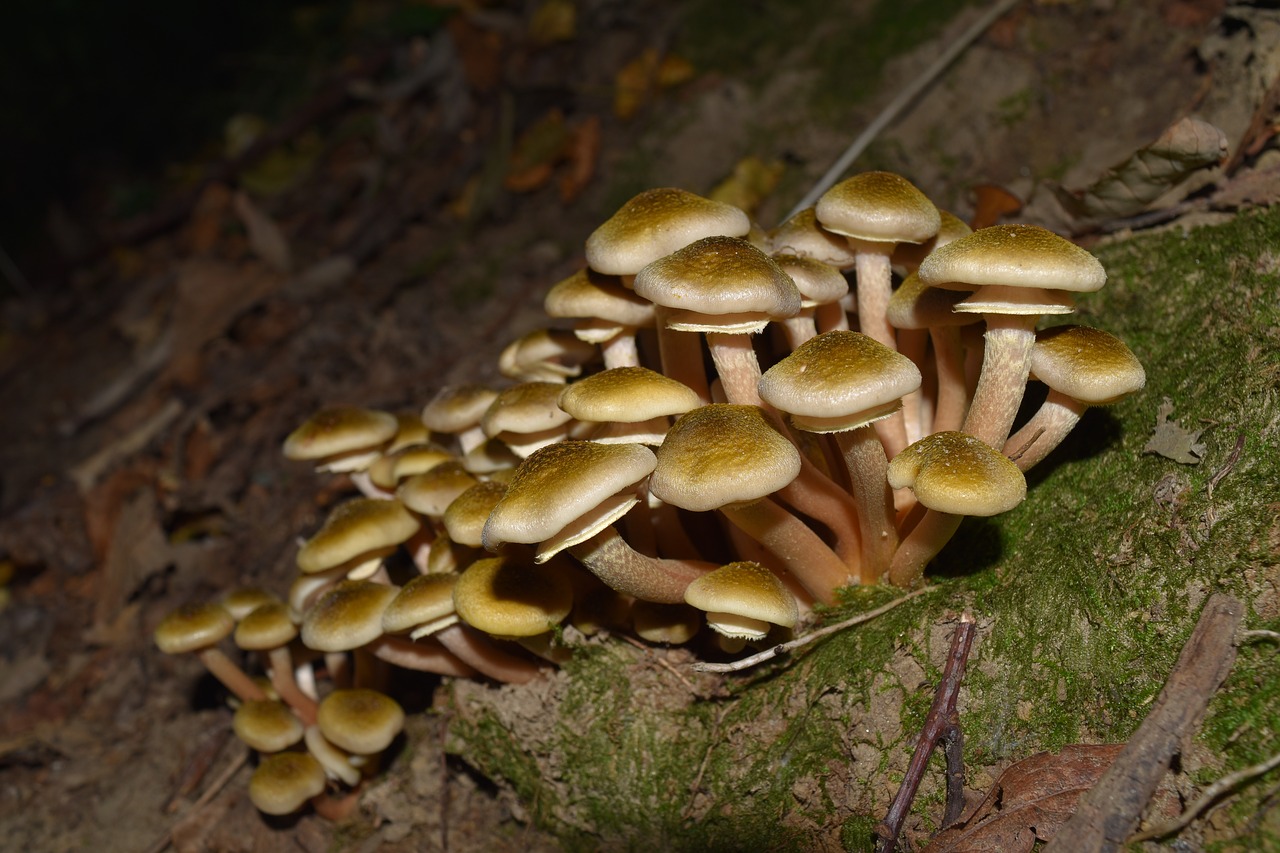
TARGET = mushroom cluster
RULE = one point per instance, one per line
(725, 434)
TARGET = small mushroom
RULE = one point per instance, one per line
(198, 628)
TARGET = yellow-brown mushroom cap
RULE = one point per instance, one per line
(627, 395)
(464, 519)
(347, 616)
(267, 725)
(284, 782)
(655, 223)
(340, 430)
(424, 602)
(354, 528)
(430, 493)
(742, 599)
(508, 600)
(457, 407)
(1013, 256)
(266, 627)
(1085, 364)
(359, 720)
(879, 207)
(193, 627)
(953, 472)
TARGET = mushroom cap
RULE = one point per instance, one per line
(627, 395)
(424, 602)
(839, 381)
(954, 472)
(508, 600)
(457, 407)
(950, 229)
(418, 459)
(655, 223)
(409, 430)
(355, 528)
(267, 626)
(916, 305)
(742, 599)
(819, 283)
(719, 284)
(284, 782)
(267, 725)
(562, 483)
(347, 616)
(1013, 256)
(722, 454)
(802, 235)
(464, 519)
(241, 601)
(360, 721)
(588, 295)
(430, 493)
(529, 407)
(879, 207)
(193, 627)
(339, 430)
(673, 624)
(545, 355)
(1089, 365)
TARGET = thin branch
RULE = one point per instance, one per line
(1258, 634)
(791, 645)
(1207, 797)
(215, 787)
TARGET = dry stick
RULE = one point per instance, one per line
(942, 725)
(1206, 799)
(1110, 811)
(212, 791)
(790, 645)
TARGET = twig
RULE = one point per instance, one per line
(1110, 811)
(1258, 634)
(1207, 797)
(215, 787)
(1226, 466)
(942, 725)
(901, 101)
(791, 645)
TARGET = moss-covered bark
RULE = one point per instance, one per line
(1084, 596)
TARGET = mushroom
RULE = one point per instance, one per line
(545, 355)
(198, 628)
(604, 312)
(525, 417)
(360, 721)
(283, 783)
(631, 404)
(953, 475)
(457, 410)
(343, 439)
(1018, 273)
(512, 601)
(742, 600)
(267, 725)
(1083, 367)
(269, 629)
(356, 537)
(819, 284)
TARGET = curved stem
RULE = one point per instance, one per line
(626, 570)
(953, 395)
(474, 649)
(421, 656)
(232, 677)
(280, 669)
(921, 545)
(1006, 362)
(1048, 427)
(801, 550)
(868, 467)
(681, 354)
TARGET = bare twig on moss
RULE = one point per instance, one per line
(942, 725)
(1259, 634)
(791, 645)
(1109, 813)
(1226, 466)
(1210, 794)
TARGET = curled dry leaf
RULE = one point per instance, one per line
(1029, 802)
(1172, 441)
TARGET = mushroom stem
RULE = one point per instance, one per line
(626, 570)
(803, 553)
(874, 287)
(915, 347)
(620, 350)
(474, 649)
(921, 545)
(1051, 423)
(815, 495)
(831, 316)
(1006, 362)
(681, 355)
(953, 395)
(425, 656)
(232, 677)
(737, 367)
(867, 464)
(280, 669)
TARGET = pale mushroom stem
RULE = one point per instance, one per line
(803, 553)
(1006, 362)
(626, 570)
(1048, 427)
(831, 316)
(681, 355)
(474, 649)
(800, 328)
(423, 656)
(620, 350)
(815, 495)
(914, 345)
(232, 677)
(921, 545)
(864, 457)
(365, 485)
(280, 669)
(874, 287)
(737, 367)
(953, 394)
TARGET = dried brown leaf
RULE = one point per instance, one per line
(1030, 800)
(266, 239)
(1172, 441)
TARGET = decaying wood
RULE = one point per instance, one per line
(1109, 813)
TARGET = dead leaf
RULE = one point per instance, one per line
(266, 239)
(1029, 802)
(752, 181)
(480, 51)
(635, 84)
(1185, 147)
(536, 152)
(990, 204)
(582, 151)
(1172, 441)
(138, 548)
(205, 229)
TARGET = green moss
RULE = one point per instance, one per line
(1084, 595)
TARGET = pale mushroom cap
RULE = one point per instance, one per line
(718, 282)
(655, 223)
(464, 519)
(409, 430)
(585, 295)
(839, 380)
(560, 483)
(739, 594)
(423, 600)
(722, 454)
(266, 627)
(819, 283)
(545, 355)
(950, 229)
(627, 395)
(359, 720)
(802, 235)
(284, 782)
(1088, 365)
(193, 627)
(418, 459)
(525, 408)
(267, 725)
(339, 430)
(508, 600)
(916, 305)
(347, 616)
(431, 493)
(879, 207)
(1013, 256)
(954, 472)
(457, 407)
(354, 528)
(242, 601)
